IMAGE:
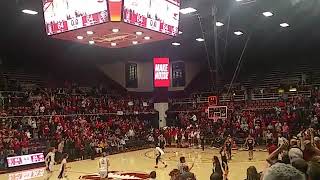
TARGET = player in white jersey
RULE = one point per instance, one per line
(104, 166)
(63, 167)
(159, 153)
(49, 160)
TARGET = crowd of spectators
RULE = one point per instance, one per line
(265, 124)
(81, 124)
(86, 124)
(289, 130)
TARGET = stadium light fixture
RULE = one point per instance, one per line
(113, 44)
(267, 14)
(115, 30)
(147, 37)
(176, 44)
(80, 37)
(89, 32)
(134, 42)
(139, 33)
(238, 33)
(238, 0)
(219, 24)
(200, 39)
(28, 11)
(293, 89)
(91, 42)
(284, 25)
(187, 10)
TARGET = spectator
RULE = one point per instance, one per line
(280, 171)
(313, 171)
(252, 173)
(153, 175)
(187, 175)
(301, 165)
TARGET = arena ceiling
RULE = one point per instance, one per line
(24, 35)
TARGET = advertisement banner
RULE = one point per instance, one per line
(25, 159)
(161, 72)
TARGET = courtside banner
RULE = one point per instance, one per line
(161, 72)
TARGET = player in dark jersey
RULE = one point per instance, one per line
(228, 145)
(223, 154)
(250, 144)
(162, 142)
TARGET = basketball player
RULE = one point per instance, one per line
(62, 173)
(250, 144)
(228, 145)
(223, 154)
(182, 164)
(49, 160)
(162, 142)
(104, 166)
(159, 153)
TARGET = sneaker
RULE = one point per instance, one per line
(166, 166)
(155, 166)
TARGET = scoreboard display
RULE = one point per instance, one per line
(217, 112)
(158, 15)
(66, 15)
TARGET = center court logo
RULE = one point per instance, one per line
(118, 175)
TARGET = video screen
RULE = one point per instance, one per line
(158, 15)
(161, 72)
(66, 15)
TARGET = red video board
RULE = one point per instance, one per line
(161, 72)
(25, 159)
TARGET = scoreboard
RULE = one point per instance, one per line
(67, 15)
(158, 15)
(217, 112)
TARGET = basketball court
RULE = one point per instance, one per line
(137, 164)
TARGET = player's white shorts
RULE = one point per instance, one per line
(103, 174)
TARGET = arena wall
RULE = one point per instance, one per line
(116, 71)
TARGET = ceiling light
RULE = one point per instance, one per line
(293, 89)
(180, 32)
(175, 44)
(91, 42)
(267, 14)
(187, 10)
(115, 30)
(200, 39)
(27, 11)
(79, 37)
(134, 42)
(284, 25)
(113, 44)
(146, 37)
(238, 0)
(89, 32)
(139, 33)
(238, 33)
(219, 24)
